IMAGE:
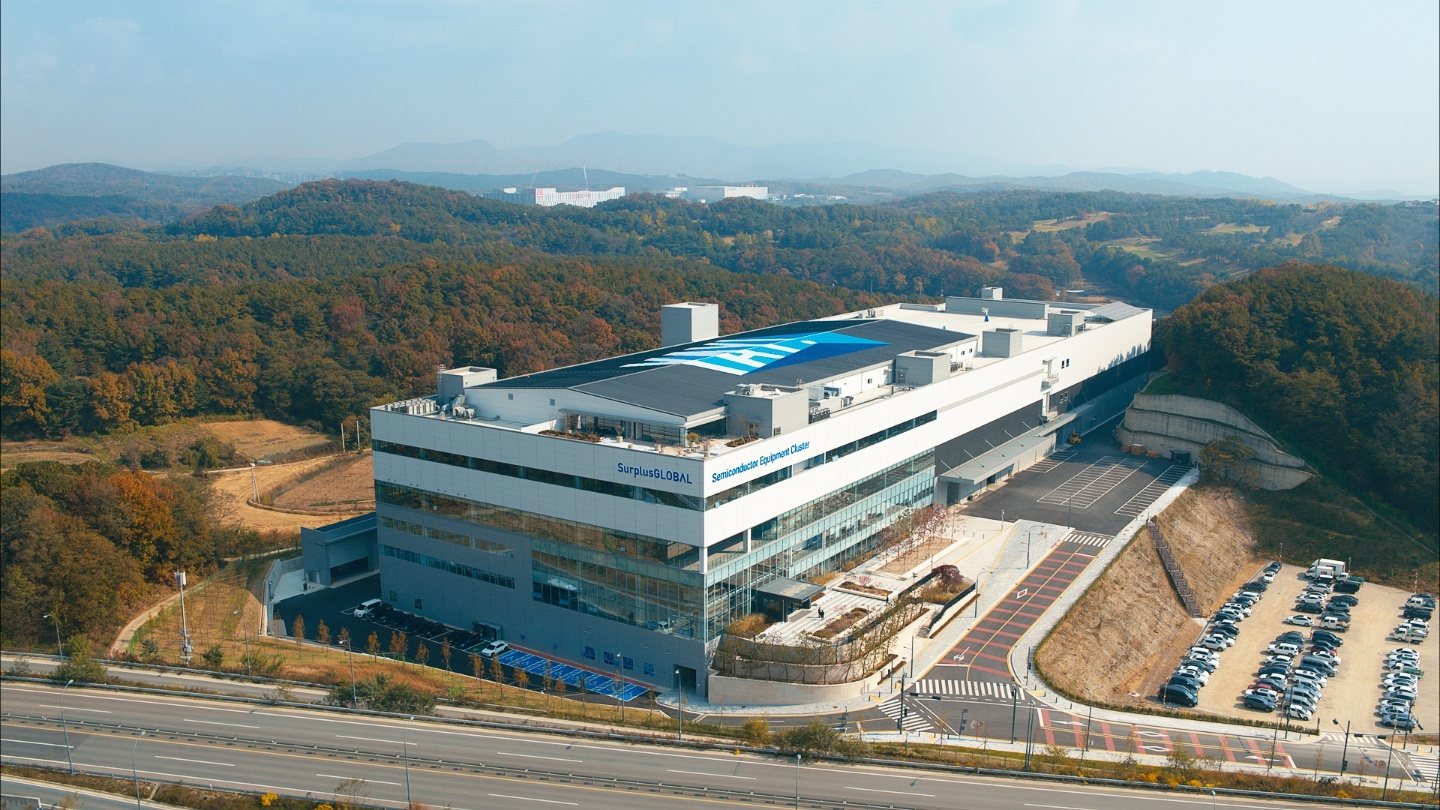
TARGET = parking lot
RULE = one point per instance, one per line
(1351, 695)
(334, 605)
(1091, 486)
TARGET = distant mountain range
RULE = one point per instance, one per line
(84, 191)
(88, 191)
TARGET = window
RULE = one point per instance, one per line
(629, 663)
(419, 603)
(650, 669)
(394, 597)
(590, 653)
(776, 432)
(609, 658)
(512, 396)
(552, 403)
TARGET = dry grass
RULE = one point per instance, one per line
(262, 438)
(1119, 641)
(66, 452)
(835, 627)
(1231, 227)
(1049, 225)
(1140, 246)
(232, 491)
(347, 484)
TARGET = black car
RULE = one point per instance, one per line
(1417, 613)
(1273, 669)
(1334, 607)
(1344, 599)
(1260, 702)
(1258, 586)
(1292, 637)
(1348, 586)
(1272, 567)
(1179, 695)
(1186, 681)
(1308, 607)
(1228, 630)
(1327, 635)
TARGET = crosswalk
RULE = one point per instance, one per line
(1050, 462)
(913, 720)
(1427, 768)
(958, 688)
(1088, 539)
(1153, 490)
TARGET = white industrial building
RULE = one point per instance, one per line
(709, 194)
(550, 197)
(634, 505)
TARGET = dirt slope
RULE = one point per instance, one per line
(1125, 634)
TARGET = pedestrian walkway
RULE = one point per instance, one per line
(912, 721)
(1089, 539)
(952, 687)
(1427, 768)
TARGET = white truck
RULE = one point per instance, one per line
(1326, 568)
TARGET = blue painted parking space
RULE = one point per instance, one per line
(572, 676)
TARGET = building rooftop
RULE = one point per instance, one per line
(693, 378)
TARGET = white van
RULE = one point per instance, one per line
(367, 608)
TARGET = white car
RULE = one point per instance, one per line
(1218, 642)
(1300, 620)
(1296, 712)
(493, 649)
(1283, 649)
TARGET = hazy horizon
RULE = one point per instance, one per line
(1329, 97)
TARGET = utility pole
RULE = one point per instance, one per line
(1345, 749)
(342, 436)
(351, 649)
(406, 752)
(1014, 709)
(134, 773)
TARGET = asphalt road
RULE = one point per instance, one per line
(307, 752)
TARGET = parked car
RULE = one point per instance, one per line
(493, 649)
(1179, 695)
(1299, 620)
(1309, 607)
(1318, 634)
(1400, 723)
(1417, 613)
(1260, 702)
(1282, 648)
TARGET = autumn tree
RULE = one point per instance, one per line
(24, 410)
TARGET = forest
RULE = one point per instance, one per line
(317, 302)
(84, 544)
(1342, 366)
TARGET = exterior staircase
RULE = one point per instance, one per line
(1172, 568)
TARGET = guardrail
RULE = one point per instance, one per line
(707, 745)
(1172, 568)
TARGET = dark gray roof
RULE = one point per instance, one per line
(687, 390)
(791, 589)
(1113, 311)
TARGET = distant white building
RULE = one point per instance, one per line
(714, 193)
(549, 196)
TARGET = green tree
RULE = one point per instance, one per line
(214, 657)
(78, 665)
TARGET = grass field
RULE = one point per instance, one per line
(252, 439)
(1140, 246)
(1231, 227)
(344, 484)
(1050, 225)
(234, 489)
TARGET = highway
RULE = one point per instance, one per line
(311, 752)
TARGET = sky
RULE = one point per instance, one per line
(1328, 96)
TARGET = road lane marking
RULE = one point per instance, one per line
(216, 723)
(374, 739)
(196, 761)
(528, 799)
(719, 775)
(72, 708)
(537, 756)
(361, 778)
(1060, 806)
(898, 792)
(28, 742)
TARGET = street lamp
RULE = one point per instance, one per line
(1344, 749)
(69, 760)
(59, 650)
(353, 702)
(405, 752)
(135, 774)
(797, 782)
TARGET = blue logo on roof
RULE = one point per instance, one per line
(741, 356)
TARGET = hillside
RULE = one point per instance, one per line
(1341, 366)
(1130, 623)
(85, 191)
